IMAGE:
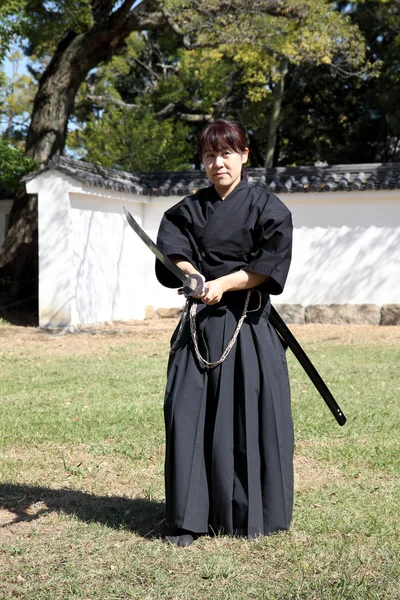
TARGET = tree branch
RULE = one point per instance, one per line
(101, 9)
(147, 68)
(141, 18)
(104, 100)
(174, 26)
(188, 118)
(171, 111)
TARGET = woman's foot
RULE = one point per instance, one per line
(181, 538)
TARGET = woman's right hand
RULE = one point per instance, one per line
(213, 292)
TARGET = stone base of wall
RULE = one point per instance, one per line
(291, 313)
(168, 313)
(390, 314)
(333, 314)
(344, 314)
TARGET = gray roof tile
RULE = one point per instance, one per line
(385, 176)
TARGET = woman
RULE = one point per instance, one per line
(229, 433)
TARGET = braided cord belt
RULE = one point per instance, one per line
(193, 329)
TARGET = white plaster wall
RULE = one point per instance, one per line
(5, 209)
(94, 268)
(106, 258)
(346, 248)
(55, 277)
(157, 295)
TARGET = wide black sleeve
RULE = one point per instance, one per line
(174, 238)
(272, 250)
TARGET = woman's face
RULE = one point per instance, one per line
(224, 168)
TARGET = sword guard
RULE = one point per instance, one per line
(194, 284)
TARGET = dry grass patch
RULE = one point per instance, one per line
(99, 339)
(77, 467)
(309, 474)
(346, 334)
(89, 340)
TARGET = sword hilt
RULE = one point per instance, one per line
(194, 284)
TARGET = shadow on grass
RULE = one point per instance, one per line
(141, 516)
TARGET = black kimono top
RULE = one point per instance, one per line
(250, 229)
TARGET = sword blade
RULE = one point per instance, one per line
(165, 260)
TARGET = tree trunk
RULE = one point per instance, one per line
(75, 56)
(55, 98)
(275, 114)
(19, 253)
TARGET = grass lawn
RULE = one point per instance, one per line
(81, 474)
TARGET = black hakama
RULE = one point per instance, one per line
(229, 432)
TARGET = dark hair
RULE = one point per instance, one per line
(219, 135)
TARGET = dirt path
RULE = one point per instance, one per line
(97, 338)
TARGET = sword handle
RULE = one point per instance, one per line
(194, 284)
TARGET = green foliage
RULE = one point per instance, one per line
(347, 120)
(11, 12)
(300, 30)
(13, 166)
(380, 24)
(201, 79)
(159, 93)
(133, 141)
(45, 23)
(230, 70)
(155, 73)
(16, 96)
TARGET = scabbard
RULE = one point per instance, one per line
(287, 336)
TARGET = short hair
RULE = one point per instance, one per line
(221, 134)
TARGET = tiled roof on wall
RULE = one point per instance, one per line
(362, 177)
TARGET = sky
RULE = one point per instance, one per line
(7, 67)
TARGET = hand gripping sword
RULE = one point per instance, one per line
(194, 285)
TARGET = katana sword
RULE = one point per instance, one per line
(194, 285)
